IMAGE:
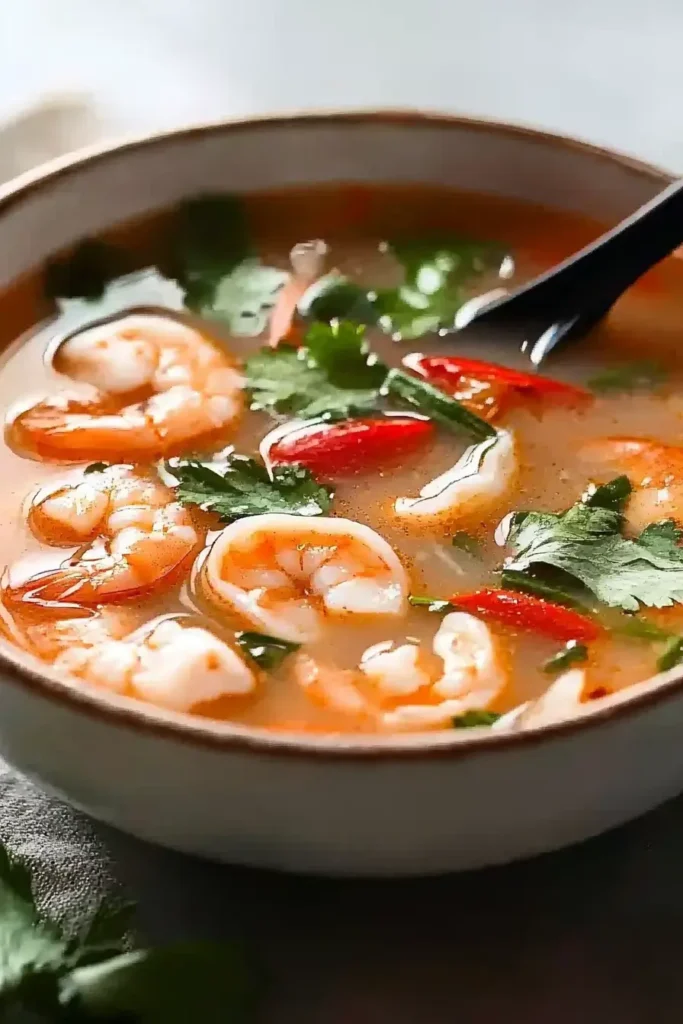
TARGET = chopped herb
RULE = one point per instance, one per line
(86, 271)
(586, 543)
(240, 487)
(671, 655)
(267, 651)
(47, 976)
(436, 274)
(472, 719)
(573, 654)
(430, 401)
(639, 376)
(467, 543)
(560, 589)
(613, 495)
(641, 629)
(340, 349)
(433, 604)
(96, 467)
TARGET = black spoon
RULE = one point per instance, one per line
(565, 302)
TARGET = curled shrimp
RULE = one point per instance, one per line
(161, 386)
(407, 689)
(284, 574)
(655, 471)
(169, 662)
(471, 488)
(132, 539)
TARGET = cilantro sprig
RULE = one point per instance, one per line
(586, 543)
(267, 651)
(240, 486)
(96, 976)
(336, 375)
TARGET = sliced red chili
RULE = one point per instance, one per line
(524, 611)
(351, 446)
(452, 371)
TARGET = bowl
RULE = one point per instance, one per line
(332, 805)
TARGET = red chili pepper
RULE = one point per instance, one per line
(451, 370)
(523, 611)
(352, 445)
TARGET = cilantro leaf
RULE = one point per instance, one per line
(207, 982)
(244, 298)
(472, 719)
(672, 654)
(336, 376)
(586, 543)
(242, 487)
(572, 654)
(436, 274)
(612, 495)
(267, 651)
(210, 238)
(639, 376)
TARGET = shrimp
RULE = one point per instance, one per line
(160, 386)
(407, 689)
(656, 472)
(561, 701)
(284, 574)
(169, 662)
(472, 487)
(307, 259)
(132, 539)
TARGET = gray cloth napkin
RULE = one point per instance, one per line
(590, 935)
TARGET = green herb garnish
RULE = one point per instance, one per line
(240, 487)
(430, 401)
(671, 655)
(471, 719)
(433, 604)
(573, 654)
(552, 586)
(641, 629)
(86, 271)
(50, 976)
(644, 375)
(612, 495)
(267, 651)
(586, 543)
(466, 542)
(435, 277)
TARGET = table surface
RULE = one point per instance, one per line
(591, 934)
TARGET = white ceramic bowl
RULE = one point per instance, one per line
(407, 805)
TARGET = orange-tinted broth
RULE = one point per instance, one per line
(353, 221)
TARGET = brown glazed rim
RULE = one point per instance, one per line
(206, 733)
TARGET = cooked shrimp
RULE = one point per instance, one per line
(170, 663)
(407, 689)
(307, 259)
(471, 488)
(161, 386)
(284, 574)
(560, 702)
(655, 471)
(133, 539)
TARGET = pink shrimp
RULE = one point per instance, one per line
(655, 470)
(161, 386)
(132, 539)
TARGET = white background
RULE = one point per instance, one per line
(610, 71)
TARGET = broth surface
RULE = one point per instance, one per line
(646, 323)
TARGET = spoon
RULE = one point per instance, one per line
(565, 302)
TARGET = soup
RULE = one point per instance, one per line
(251, 474)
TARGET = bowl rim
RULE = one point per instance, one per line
(129, 713)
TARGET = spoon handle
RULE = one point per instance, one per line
(577, 292)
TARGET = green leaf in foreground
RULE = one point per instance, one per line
(432, 402)
(464, 541)
(672, 654)
(573, 653)
(472, 719)
(639, 376)
(240, 487)
(586, 543)
(336, 376)
(267, 651)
